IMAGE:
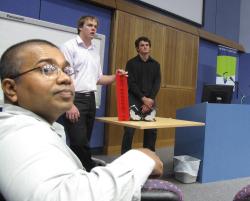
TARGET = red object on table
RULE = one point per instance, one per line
(122, 97)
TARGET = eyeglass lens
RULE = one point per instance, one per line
(51, 70)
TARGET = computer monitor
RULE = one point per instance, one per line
(215, 93)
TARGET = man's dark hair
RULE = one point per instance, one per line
(142, 38)
(81, 21)
(10, 63)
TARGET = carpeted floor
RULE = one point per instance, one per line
(213, 191)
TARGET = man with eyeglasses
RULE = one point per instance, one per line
(36, 163)
(83, 56)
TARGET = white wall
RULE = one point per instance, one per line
(244, 36)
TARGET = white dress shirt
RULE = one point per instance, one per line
(37, 165)
(86, 63)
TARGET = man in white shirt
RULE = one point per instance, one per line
(82, 55)
(36, 164)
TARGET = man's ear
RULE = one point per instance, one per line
(9, 89)
(80, 28)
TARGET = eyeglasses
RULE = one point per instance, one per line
(50, 71)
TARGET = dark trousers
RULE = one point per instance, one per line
(149, 139)
(79, 133)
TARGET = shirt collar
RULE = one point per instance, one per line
(149, 58)
(80, 42)
(16, 110)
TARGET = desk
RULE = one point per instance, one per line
(222, 144)
(161, 122)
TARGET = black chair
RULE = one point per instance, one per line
(243, 194)
(160, 190)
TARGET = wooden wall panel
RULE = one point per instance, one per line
(175, 50)
(181, 54)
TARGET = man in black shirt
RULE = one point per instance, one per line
(143, 85)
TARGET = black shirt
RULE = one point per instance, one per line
(144, 77)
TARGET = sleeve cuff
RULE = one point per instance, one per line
(136, 161)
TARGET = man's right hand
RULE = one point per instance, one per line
(73, 114)
(158, 168)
